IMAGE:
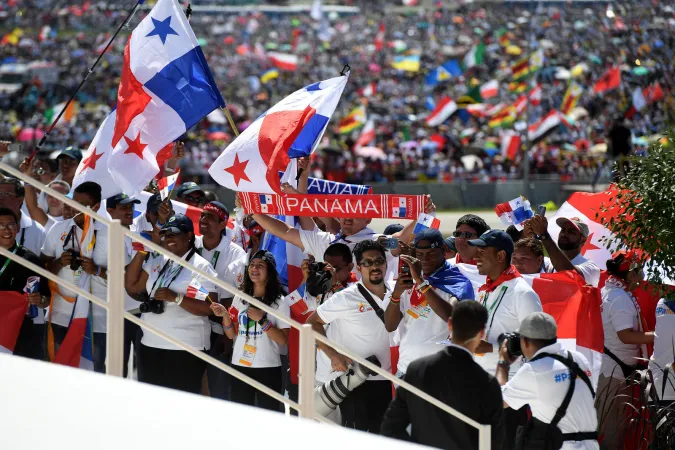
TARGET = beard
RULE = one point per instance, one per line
(568, 246)
(377, 281)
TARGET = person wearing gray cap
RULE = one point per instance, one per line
(554, 382)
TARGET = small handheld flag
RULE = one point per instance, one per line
(514, 212)
(166, 185)
(32, 286)
(426, 221)
(196, 290)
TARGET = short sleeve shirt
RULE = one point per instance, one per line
(618, 313)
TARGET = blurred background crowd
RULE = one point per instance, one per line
(48, 46)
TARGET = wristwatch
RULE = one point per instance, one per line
(542, 237)
(263, 319)
(504, 364)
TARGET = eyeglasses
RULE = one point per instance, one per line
(370, 262)
(463, 234)
(9, 226)
(7, 195)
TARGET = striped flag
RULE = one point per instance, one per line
(535, 95)
(540, 128)
(283, 61)
(489, 89)
(514, 212)
(445, 108)
(426, 221)
(196, 290)
(367, 134)
(12, 312)
(355, 119)
(166, 185)
(511, 143)
(571, 98)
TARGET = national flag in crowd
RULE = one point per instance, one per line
(445, 108)
(166, 185)
(511, 143)
(196, 290)
(540, 128)
(379, 37)
(269, 75)
(409, 63)
(517, 87)
(162, 58)
(290, 129)
(571, 98)
(368, 90)
(430, 103)
(12, 312)
(45, 31)
(638, 103)
(503, 118)
(426, 221)
(68, 117)
(475, 56)
(444, 72)
(536, 60)
(535, 95)
(608, 81)
(367, 135)
(653, 93)
(352, 121)
(178, 207)
(521, 69)
(283, 61)
(489, 89)
(514, 212)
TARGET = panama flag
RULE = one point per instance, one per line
(166, 87)
(445, 108)
(426, 221)
(178, 208)
(367, 134)
(77, 348)
(290, 129)
(196, 290)
(283, 61)
(166, 185)
(574, 305)
(514, 212)
(12, 312)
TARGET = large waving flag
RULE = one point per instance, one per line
(166, 87)
(445, 108)
(77, 348)
(12, 312)
(290, 129)
(547, 123)
(444, 72)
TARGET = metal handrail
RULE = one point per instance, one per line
(116, 316)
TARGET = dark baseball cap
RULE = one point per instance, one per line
(494, 238)
(450, 243)
(120, 199)
(180, 223)
(154, 202)
(72, 153)
(266, 256)
(433, 236)
(188, 188)
(393, 228)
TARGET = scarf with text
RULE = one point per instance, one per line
(508, 274)
(323, 187)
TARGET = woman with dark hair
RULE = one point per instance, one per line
(258, 339)
(174, 305)
(626, 340)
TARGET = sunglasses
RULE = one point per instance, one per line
(370, 262)
(463, 234)
(194, 199)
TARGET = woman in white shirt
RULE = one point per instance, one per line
(259, 338)
(174, 306)
(626, 338)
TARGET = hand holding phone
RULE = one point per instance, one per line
(541, 210)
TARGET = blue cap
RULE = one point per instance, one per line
(450, 243)
(72, 153)
(180, 223)
(433, 236)
(494, 238)
(393, 228)
(154, 202)
(188, 188)
(120, 199)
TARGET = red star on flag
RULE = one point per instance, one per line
(238, 170)
(589, 245)
(135, 147)
(90, 161)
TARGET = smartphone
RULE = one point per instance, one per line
(541, 210)
(390, 243)
(405, 270)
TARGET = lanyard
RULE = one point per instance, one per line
(4, 266)
(214, 259)
(162, 275)
(495, 306)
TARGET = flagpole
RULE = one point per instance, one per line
(526, 138)
(84, 80)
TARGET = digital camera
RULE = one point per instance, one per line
(512, 343)
(319, 279)
(152, 306)
(75, 263)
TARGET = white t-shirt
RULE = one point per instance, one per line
(141, 224)
(194, 331)
(664, 349)
(542, 384)
(588, 269)
(62, 310)
(354, 325)
(31, 235)
(51, 220)
(618, 313)
(423, 329)
(250, 336)
(504, 316)
(229, 262)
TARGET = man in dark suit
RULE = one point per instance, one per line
(454, 378)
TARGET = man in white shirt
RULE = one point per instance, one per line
(506, 295)
(423, 299)
(566, 255)
(229, 261)
(359, 327)
(31, 234)
(544, 383)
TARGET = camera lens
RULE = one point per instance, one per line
(145, 307)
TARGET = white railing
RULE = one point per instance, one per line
(116, 316)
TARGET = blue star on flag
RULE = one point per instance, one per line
(162, 29)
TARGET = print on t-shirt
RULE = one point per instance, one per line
(247, 327)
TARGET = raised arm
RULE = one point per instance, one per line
(31, 197)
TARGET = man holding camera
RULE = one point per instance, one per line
(555, 383)
(356, 319)
(423, 298)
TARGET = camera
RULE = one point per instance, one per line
(319, 279)
(390, 243)
(75, 263)
(152, 306)
(512, 343)
(331, 394)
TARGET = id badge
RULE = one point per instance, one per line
(413, 314)
(248, 356)
(76, 276)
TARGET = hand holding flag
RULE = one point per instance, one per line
(166, 185)
(514, 212)
(196, 290)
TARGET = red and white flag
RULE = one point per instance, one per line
(379, 37)
(367, 134)
(511, 142)
(12, 312)
(369, 90)
(283, 61)
(535, 95)
(166, 87)
(653, 93)
(638, 103)
(445, 108)
(489, 89)
(551, 120)
(166, 185)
